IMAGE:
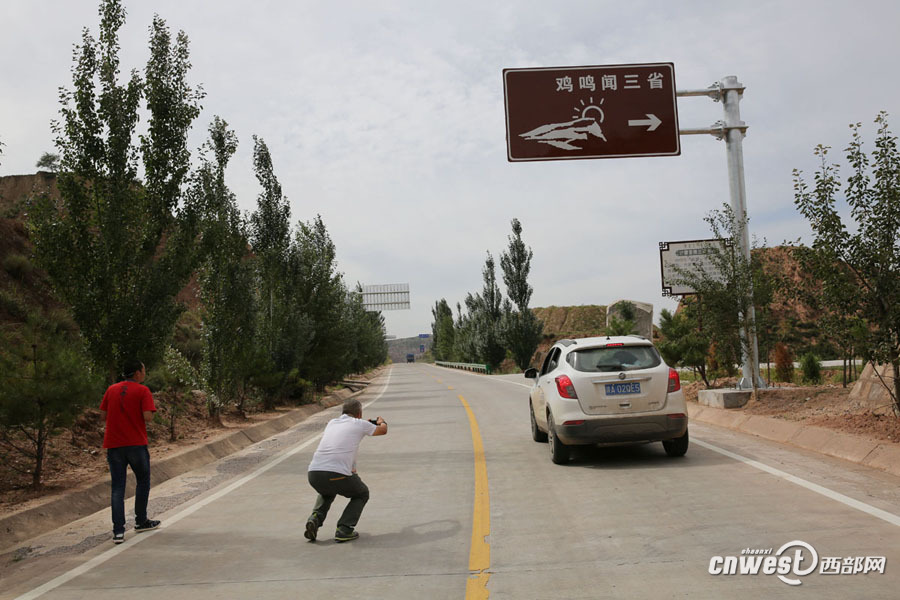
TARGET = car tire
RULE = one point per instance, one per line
(536, 434)
(677, 446)
(559, 452)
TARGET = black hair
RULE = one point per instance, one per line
(131, 367)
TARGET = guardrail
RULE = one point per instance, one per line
(464, 366)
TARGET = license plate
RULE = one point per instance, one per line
(618, 389)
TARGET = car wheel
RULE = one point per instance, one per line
(677, 446)
(536, 434)
(559, 452)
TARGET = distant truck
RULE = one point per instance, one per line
(410, 358)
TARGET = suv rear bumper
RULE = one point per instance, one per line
(645, 428)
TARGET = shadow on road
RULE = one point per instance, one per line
(411, 535)
(640, 456)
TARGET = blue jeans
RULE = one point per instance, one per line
(119, 459)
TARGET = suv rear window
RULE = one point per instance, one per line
(617, 358)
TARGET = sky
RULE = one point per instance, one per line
(388, 120)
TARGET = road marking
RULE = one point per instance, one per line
(847, 500)
(489, 378)
(116, 550)
(480, 552)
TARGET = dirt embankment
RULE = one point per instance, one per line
(568, 322)
(829, 406)
(75, 457)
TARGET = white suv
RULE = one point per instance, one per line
(606, 390)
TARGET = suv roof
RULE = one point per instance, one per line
(605, 340)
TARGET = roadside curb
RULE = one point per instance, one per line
(32, 522)
(884, 456)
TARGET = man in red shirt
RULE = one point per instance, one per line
(126, 407)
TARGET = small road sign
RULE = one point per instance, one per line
(612, 111)
(678, 260)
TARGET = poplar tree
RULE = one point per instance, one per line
(226, 276)
(321, 295)
(486, 312)
(521, 329)
(117, 247)
(282, 331)
(442, 334)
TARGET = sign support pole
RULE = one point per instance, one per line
(729, 90)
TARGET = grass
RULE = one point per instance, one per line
(18, 266)
(13, 305)
(830, 375)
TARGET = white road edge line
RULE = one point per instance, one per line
(116, 550)
(490, 377)
(847, 500)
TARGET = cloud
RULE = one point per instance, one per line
(388, 120)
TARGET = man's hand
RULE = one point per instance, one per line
(380, 426)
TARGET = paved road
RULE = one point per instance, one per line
(464, 504)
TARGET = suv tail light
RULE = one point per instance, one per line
(674, 381)
(565, 388)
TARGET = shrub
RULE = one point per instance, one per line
(811, 368)
(18, 266)
(784, 363)
(13, 305)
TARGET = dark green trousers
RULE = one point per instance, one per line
(329, 485)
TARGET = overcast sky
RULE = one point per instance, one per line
(387, 118)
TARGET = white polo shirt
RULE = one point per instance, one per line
(339, 445)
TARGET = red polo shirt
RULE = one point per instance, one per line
(125, 403)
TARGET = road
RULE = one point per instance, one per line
(464, 504)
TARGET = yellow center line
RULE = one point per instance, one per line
(480, 552)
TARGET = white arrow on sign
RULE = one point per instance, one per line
(652, 122)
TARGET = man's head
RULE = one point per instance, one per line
(353, 407)
(134, 369)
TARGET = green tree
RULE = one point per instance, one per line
(729, 293)
(811, 368)
(175, 380)
(464, 346)
(836, 296)
(442, 332)
(45, 383)
(270, 237)
(321, 296)
(48, 162)
(284, 329)
(485, 309)
(625, 323)
(865, 256)
(118, 249)
(226, 275)
(367, 334)
(684, 343)
(521, 329)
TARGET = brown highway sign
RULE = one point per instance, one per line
(611, 111)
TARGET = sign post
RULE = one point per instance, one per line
(732, 129)
(620, 111)
(612, 111)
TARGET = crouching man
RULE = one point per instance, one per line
(332, 471)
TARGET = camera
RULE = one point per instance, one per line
(373, 421)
